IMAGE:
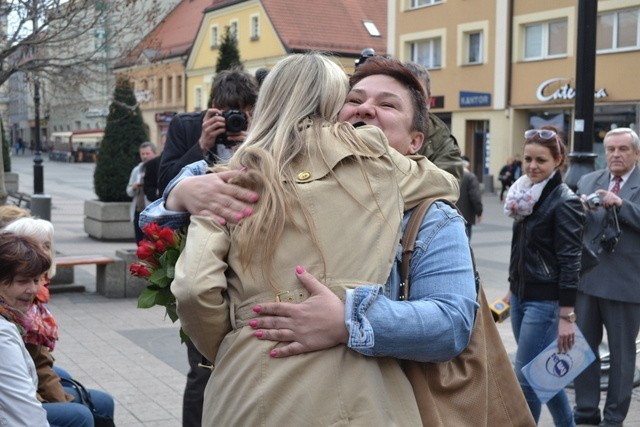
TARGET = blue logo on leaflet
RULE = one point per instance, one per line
(559, 364)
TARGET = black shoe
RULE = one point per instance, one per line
(606, 423)
(590, 421)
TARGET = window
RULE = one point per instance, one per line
(545, 40)
(420, 3)
(215, 36)
(474, 47)
(159, 89)
(371, 28)
(427, 52)
(169, 88)
(255, 27)
(178, 88)
(233, 29)
(618, 30)
(198, 99)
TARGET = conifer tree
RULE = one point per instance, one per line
(228, 53)
(119, 149)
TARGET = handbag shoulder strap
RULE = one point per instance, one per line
(408, 242)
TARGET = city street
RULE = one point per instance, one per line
(136, 354)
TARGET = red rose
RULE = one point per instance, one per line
(139, 269)
(152, 231)
(146, 249)
(168, 236)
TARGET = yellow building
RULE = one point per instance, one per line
(499, 67)
(268, 30)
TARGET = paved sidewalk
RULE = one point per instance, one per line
(136, 354)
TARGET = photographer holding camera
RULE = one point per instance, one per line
(211, 134)
(608, 296)
(207, 134)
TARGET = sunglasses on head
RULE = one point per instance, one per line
(542, 133)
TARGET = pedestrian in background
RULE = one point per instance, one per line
(505, 177)
(545, 261)
(147, 152)
(608, 296)
(470, 201)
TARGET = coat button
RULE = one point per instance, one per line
(303, 176)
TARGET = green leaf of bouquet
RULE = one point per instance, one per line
(147, 298)
(157, 276)
(183, 337)
(165, 297)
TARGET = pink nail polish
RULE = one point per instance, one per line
(247, 211)
(253, 323)
(223, 221)
(299, 269)
(257, 309)
(238, 216)
(273, 353)
(258, 334)
(253, 197)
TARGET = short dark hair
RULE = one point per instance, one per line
(233, 89)
(378, 65)
(21, 255)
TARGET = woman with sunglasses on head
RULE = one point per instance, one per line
(545, 260)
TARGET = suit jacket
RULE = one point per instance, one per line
(616, 277)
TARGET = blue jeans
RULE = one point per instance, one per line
(535, 326)
(71, 414)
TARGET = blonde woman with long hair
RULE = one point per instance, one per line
(332, 198)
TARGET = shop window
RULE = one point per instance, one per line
(618, 31)
(427, 52)
(474, 47)
(420, 3)
(545, 40)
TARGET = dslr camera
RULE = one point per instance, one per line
(593, 201)
(235, 121)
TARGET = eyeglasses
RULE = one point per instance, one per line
(543, 133)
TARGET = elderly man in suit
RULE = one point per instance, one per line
(609, 295)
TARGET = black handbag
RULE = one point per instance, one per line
(85, 398)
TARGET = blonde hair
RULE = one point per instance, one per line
(300, 96)
(10, 213)
(40, 230)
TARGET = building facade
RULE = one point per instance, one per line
(499, 67)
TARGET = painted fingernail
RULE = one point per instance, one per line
(273, 353)
(253, 197)
(299, 269)
(243, 169)
(257, 309)
(223, 221)
(247, 211)
(253, 323)
(258, 334)
(238, 216)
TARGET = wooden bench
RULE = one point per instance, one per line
(18, 198)
(110, 272)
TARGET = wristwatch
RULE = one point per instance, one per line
(571, 317)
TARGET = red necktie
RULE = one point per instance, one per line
(616, 184)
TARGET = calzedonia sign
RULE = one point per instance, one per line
(560, 88)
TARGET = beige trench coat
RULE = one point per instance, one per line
(358, 239)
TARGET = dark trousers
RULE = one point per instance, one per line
(504, 188)
(193, 397)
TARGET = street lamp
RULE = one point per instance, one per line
(582, 158)
(38, 170)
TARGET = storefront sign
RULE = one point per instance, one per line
(475, 99)
(96, 112)
(436, 102)
(544, 92)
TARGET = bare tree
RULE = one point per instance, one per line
(70, 45)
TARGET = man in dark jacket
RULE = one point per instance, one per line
(470, 201)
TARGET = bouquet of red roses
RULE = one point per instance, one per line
(158, 254)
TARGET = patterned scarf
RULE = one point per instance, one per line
(522, 197)
(14, 316)
(43, 329)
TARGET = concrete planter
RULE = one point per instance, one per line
(132, 285)
(108, 220)
(11, 181)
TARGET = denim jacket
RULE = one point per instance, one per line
(435, 324)
(442, 300)
(156, 211)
